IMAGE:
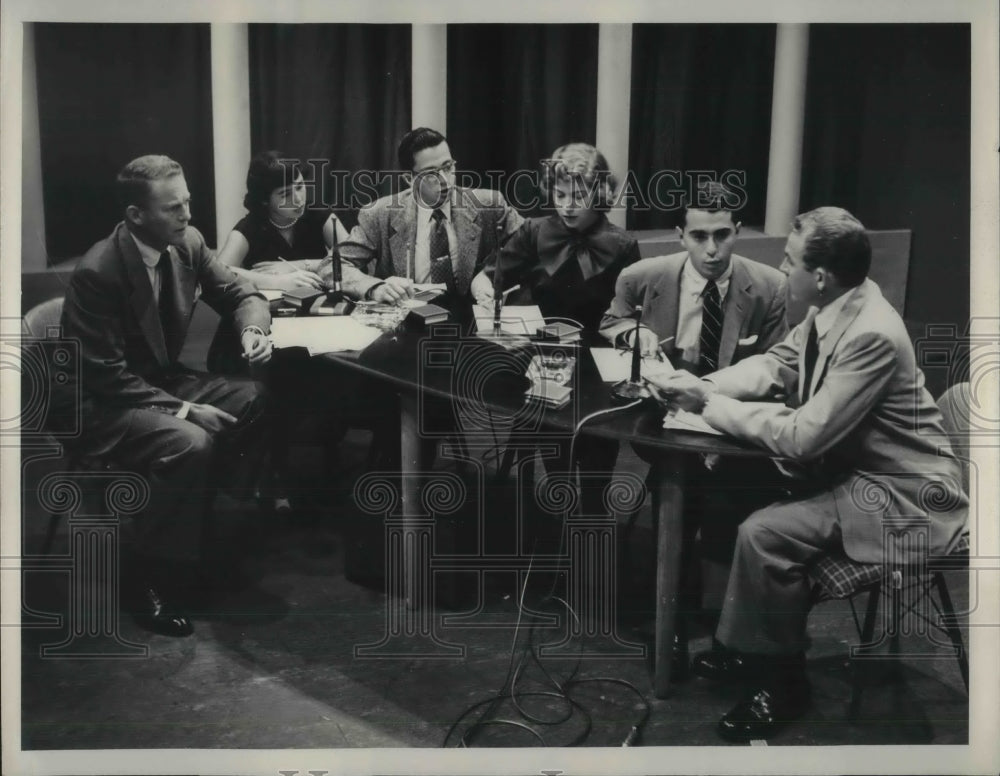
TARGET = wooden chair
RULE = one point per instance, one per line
(907, 588)
(42, 323)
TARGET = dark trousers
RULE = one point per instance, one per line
(183, 463)
(300, 387)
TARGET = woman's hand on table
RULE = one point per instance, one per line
(481, 289)
(297, 278)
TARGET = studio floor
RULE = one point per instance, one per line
(293, 660)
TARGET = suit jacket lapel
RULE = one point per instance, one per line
(846, 317)
(468, 233)
(141, 298)
(736, 305)
(403, 236)
(804, 331)
(665, 301)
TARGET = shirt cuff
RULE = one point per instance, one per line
(624, 340)
(182, 413)
(254, 328)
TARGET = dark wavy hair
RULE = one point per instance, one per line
(269, 170)
(583, 164)
(413, 142)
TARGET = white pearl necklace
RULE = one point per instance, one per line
(281, 228)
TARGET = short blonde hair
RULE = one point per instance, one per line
(581, 163)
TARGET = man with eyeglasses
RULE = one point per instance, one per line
(435, 232)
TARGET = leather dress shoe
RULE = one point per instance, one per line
(763, 712)
(154, 614)
(724, 665)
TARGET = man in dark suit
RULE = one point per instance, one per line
(129, 304)
(859, 420)
(434, 232)
(710, 308)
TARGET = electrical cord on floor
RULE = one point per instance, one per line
(561, 689)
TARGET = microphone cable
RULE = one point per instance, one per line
(518, 662)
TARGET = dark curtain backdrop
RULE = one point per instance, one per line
(887, 137)
(108, 93)
(701, 100)
(516, 92)
(336, 92)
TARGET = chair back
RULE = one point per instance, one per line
(42, 368)
(42, 320)
(955, 405)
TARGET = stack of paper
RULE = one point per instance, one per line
(514, 319)
(616, 365)
(323, 334)
(682, 420)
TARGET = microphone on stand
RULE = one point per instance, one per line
(629, 390)
(497, 335)
(335, 296)
(497, 284)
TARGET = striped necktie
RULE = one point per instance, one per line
(711, 328)
(439, 252)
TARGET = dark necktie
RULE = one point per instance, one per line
(439, 252)
(166, 301)
(711, 328)
(812, 353)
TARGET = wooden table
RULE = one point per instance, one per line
(401, 360)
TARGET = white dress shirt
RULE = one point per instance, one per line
(690, 303)
(151, 258)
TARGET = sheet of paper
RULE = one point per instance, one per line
(616, 365)
(514, 319)
(688, 421)
(322, 334)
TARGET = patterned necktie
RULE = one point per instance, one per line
(439, 253)
(711, 328)
(812, 354)
(166, 301)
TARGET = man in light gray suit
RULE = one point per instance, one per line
(434, 232)
(862, 422)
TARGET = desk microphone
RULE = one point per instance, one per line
(497, 287)
(335, 296)
(497, 335)
(629, 390)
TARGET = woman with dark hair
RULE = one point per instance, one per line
(280, 244)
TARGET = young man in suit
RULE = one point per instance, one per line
(434, 232)
(745, 299)
(129, 304)
(713, 308)
(860, 419)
